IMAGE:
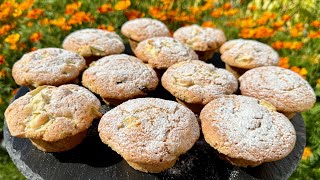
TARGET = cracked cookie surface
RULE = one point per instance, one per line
(248, 54)
(283, 88)
(120, 77)
(52, 113)
(143, 28)
(247, 131)
(48, 66)
(93, 42)
(149, 131)
(162, 52)
(198, 82)
(200, 38)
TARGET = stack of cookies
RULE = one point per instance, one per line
(151, 133)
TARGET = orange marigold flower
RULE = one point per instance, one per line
(208, 5)
(231, 12)
(3, 73)
(157, 13)
(285, 17)
(2, 60)
(299, 26)
(294, 32)
(314, 34)
(208, 24)
(4, 29)
(246, 33)
(33, 48)
(80, 17)
(17, 12)
(227, 6)
(296, 45)
(278, 24)
(44, 21)
(6, 8)
(315, 23)
(35, 13)
(105, 8)
(284, 62)
(217, 13)
(29, 24)
(60, 22)
(295, 69)
(35, 37)
(122, 5)
(247, 23)
(71, 8)
(252, 7)
(12, 38)
(307, 152)
(277, 45)
(26, 4)
(133, 14)
(14, 92)
(269, 15)
(263, 32)
(104, 27)
(262, 21)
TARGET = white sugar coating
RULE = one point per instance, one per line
(53, 113)
(94, 42)
(200, 38)
(120, 77)
(149, 130)
(285, 89)
(143, 28)
(162, 52)
(198, 82)
(48, 66)
(242, 128)
(248, 54)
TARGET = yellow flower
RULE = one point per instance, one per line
(17, 12)
(12, 38)
(307, 152)
(303, 72)
(122, 5)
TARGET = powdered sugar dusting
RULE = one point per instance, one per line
(248, 54)
(120, 76)
(144, 28)
(285, 89)
(198, 82)
(162, 52)
(248, 130)
(88, 42)
(149, 130)
(199, 38)
(48, 66)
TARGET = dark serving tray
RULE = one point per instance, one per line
(94, 160)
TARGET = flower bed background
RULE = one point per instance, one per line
(290, 27)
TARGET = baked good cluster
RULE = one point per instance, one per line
(243, 111)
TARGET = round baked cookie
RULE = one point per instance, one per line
(205, 41)
(140, 29)
(93, 42)
(117, 78)
(48, 66)
(54, 118)
(241, 55)
(162, 52)
(247, 131)
(195, 83)
(283, 88)
(149, 133)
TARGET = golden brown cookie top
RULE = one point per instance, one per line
(93, 42)
(52, 113)
(248, 54)
(162, 52)
(283, 88)
(143, 28)
(48, 66)
(245, 128)
(200, 38)
(198, 82)
(120, 77)
(147, 130)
